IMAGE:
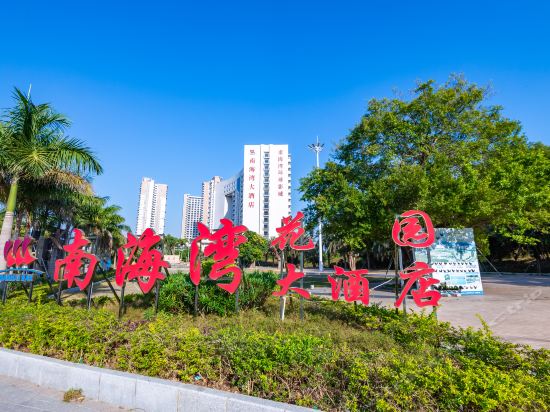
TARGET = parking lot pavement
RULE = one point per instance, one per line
(516, 307)
(20, 396)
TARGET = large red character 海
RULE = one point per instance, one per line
(75, 261)
(409, 231)
(356, 287)
(143, 263)
(17, 252)
(422, 296)
(290, 232)
(223, 248)
(288, 280)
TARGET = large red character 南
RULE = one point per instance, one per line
(75, 261)
(408, 231)
(356, 287)
(287, 282)
(144, 266)
(422, 296)
(223, 248)
(17, 252)
(290, 232)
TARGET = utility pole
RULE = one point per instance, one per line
(317, 148)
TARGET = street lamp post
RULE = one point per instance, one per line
(317, 148)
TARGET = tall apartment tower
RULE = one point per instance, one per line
(152, 206)
(208, 201)
(191, 215)
(266, 192)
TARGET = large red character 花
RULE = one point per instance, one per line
(290, 232)
(75, 262)
(143, 263)
(222, 247)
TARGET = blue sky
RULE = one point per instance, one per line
(173, 90)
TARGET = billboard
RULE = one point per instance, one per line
(453, 255)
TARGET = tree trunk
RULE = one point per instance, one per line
(7, 224)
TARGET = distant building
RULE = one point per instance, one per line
(191, 214)
(208, 201)
(152, 206)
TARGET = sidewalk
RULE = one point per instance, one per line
(17, 395)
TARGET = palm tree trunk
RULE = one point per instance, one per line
(7, 224)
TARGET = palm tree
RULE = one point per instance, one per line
(33, 145)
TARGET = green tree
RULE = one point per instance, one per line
(254, 249)
(33, 146)
(444, 151)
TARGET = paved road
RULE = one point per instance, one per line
(516, 307)
(20, 396)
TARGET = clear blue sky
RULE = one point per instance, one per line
(172, 90)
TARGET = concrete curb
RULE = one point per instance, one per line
(129, 390)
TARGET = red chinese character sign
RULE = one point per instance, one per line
(286, 283)
(355, 286)
(290, 232)
(71, 267)
(141, 261)
(222, 245)
(409, 231)
(17, 253)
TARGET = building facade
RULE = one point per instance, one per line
(151, 206)
(208, 201)
(192, 214)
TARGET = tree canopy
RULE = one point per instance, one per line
(444, 151)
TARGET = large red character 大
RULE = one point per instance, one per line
(422, 296)
(70, 268)
(409, 231)
(356, 287)
(143, 263)
(286, 283)
(17, 252)
(223, 247)
(290, 232)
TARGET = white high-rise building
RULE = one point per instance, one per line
(191, 215)
(259, 195)
(152, 206)
(208, 201)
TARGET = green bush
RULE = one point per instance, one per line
(342, 357)
(178, 294)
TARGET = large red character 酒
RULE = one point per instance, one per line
(143, 263)
(422, 296)
(223, 248)
(75, 261)
(408, 231)
(356, 287)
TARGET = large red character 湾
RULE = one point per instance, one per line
(422, 296)
(290, 232)
(223, 248)
(409, 231)
(143, 262)
(75, 261)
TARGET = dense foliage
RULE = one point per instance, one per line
(340, 358)
(444, 151)
(178, 294)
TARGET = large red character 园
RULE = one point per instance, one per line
(222, 247)
(143, 263)
(409, 231)
(75, 262)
